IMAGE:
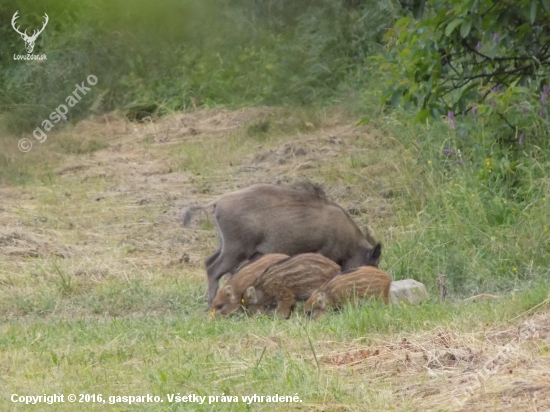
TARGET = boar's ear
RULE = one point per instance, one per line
(229, 294)
(250, 296)
(375, 254)
(321, 300)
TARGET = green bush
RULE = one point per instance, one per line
(152, 59)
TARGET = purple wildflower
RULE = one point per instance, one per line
(542, 113)
(496, 88)
(451, 117)
(463, 133)
(524, 110)
(495, 37)
(474, 111)
(543, 98)
(521, 139)
(478, 46)
(447, 151)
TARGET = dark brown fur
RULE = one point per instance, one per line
(288, 281)
(228, 298)
(362, 282)
(265, 218)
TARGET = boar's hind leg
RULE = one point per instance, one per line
(225, 262)
(212, 258)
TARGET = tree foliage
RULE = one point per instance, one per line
(153, 60)
(489, 56)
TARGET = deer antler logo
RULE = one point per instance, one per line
(29, 40)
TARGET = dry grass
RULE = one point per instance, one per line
(103, 240)
(448, 369)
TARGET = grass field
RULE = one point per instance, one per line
(103, 290)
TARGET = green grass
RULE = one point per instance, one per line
(481, 239)
(183, 350)
(102, 290)
(112, 314)
(71, 145)
(154, 60)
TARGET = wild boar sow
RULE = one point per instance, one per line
(228, 298)
(266, 218)
(358, 283)
(288, 281)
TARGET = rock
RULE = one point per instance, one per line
(408, 291)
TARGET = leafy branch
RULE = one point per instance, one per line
(439, 69)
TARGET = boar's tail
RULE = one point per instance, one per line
(190, 210)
